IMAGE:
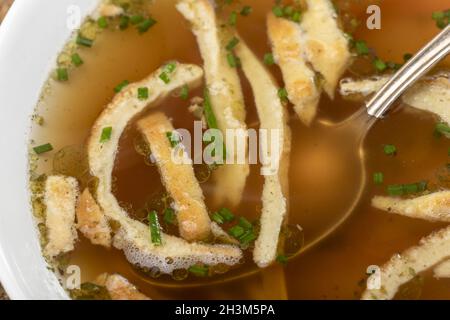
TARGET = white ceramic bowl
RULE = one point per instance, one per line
(31, 36)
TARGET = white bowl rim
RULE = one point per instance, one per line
(31, 36)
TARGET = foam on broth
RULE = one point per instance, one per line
(332, 269)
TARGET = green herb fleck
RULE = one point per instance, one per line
(62, 74)
(102, 22)
(121, 85)
(199, 271)
(155, 228)
(76, 60)
(378, 177)
(143, 93)
(82, 41)
(43, 148)
(145, 25)
(232, 44)
(282, 259)
(269, 59)
(236, 231)
(390, 149)
(246, 11)
(184, 93)
(106, 134)
(169, 216)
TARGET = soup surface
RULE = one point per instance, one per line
(334, 268)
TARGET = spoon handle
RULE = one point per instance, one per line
(415, 68)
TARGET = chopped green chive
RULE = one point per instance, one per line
(43, 148)
(442, 18)
(76, 60)
(145, 25)
(164, 77)
(402, 189)
(269, 59)
(244, 223)
(395, 190)
(378, 177)
(62, 74)
(283, 94)
(282, 259)
(288, 11)
(184, 93)
(170, 67)
(227, 215)
(169, 216)
(233, 61)
(390, 149)
(247, 237)
(106, 134)
(121, 85)
(173, 137)
(208, 111)
(236, 231)
(232, 44)
(155, 228)
(136, 19)
(410, 188)
(442, 129)
(102, 22)
(82, 41)
(143, 93)
(379, 64)
(199, 271)
(246, 11)
(278, 11)
(361, 47)
(232, 20)
(218, 218)
(296, 16)
(124, 22)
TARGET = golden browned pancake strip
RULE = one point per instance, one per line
(91, 221)
(431, 207)
(178, 179)
(60, 199)
(119, 288)
(273, 117)
(290, 54)
(402, 268)
(133, 236)
(327, 46)
(224, 89)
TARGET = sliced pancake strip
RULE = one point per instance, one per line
(442, 270)
(178, 178)
(273, 116)
(429, 94)
(91, 221)
(119, 288)
(432, 207)
(60, 199)
(227, 100)
(133, 236)
(290, 54)
(402, 268)
(327, 47)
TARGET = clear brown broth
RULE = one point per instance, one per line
(335, 267)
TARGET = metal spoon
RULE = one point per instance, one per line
(349, 158)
